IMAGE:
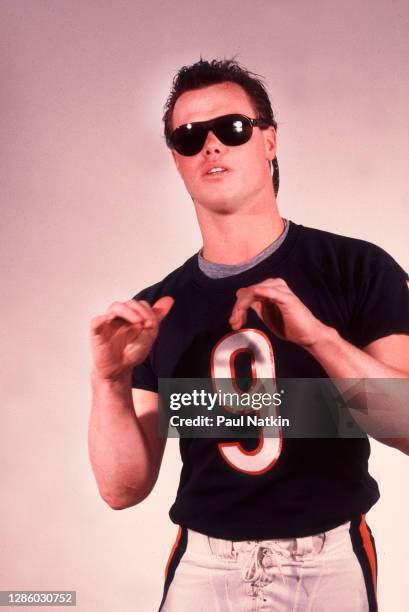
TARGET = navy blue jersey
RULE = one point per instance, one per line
(310, 485)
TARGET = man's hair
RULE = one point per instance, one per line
(204, 73)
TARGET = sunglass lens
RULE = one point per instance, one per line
(189, 139)
(233, 130)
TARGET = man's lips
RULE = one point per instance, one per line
(225, 170)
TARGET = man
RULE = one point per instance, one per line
(264, 524)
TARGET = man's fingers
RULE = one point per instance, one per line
(97, 323)
(154, 314)
(272, 282)
(278, 294)
(265, 288)
(100, 324)
(148, 318)
(124, 311)
(133, 312)
(162, 306)
(247, 296)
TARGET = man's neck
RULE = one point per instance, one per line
(238, 237)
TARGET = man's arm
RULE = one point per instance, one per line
(392, 350)
(383, 359)
(124, 447)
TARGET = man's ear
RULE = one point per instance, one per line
(270, 142)
(175, 158)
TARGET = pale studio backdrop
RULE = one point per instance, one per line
(93, 210)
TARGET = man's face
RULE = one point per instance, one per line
(247, 176)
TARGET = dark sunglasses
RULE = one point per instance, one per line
(231, 130)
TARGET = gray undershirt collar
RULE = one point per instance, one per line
(218, 270)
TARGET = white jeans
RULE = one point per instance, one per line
(318, 573)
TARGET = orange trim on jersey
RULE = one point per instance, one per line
(368, 548)
(172, 552)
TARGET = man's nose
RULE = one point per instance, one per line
(212, 144)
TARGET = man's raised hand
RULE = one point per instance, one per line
(280, 309)
(123, 337)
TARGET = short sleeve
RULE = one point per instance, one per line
(382, 301)
(143, 377)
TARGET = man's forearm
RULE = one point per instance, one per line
(377, 404)
(340, 359)
(118, 449)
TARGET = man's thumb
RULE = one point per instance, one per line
(162, 306)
